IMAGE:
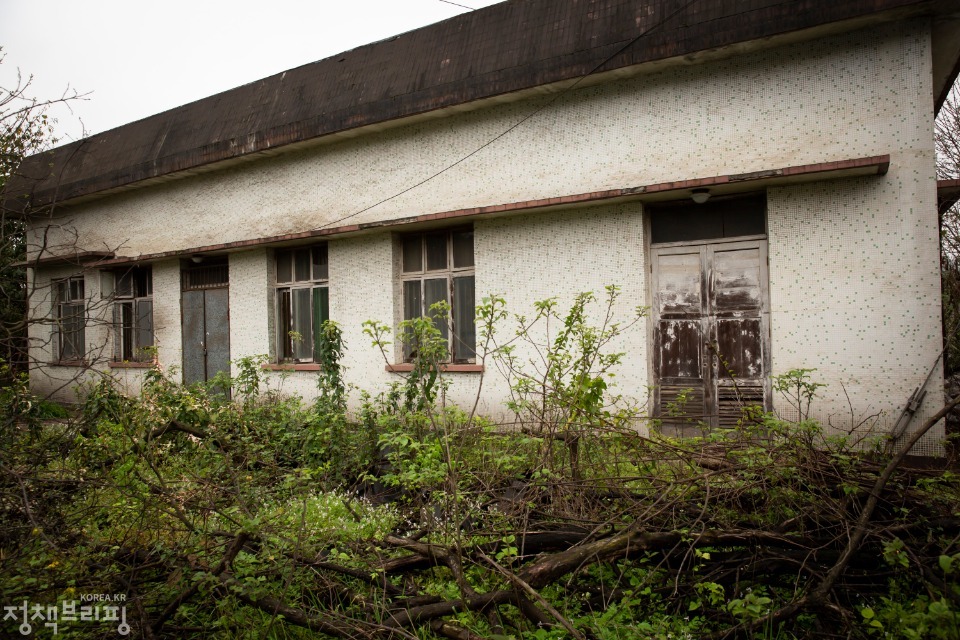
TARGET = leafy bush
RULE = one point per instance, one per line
(266, 516)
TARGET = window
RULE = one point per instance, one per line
(303, 301)
(133, 314)
(438, 267)
(70, 309)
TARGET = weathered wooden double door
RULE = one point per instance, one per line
(711, 349)
(205, 314)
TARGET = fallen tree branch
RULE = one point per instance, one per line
(818, 596)
(227, 560)
(518, 582)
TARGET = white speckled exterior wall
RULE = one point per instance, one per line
(250, 304)
(849, 96)
(853, 263)
(523, 259)
(558, 255)
(854, 288)
(166, 314)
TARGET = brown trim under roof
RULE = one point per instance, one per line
(501, 50)
(80, 259)
(732, 183)
(948, 193)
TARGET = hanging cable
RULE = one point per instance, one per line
(524, 119)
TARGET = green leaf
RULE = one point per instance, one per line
(946, 563)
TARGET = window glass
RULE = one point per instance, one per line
(462, 249)
(412, 254)
(436, 250)
(464, 318)
(435, 290)
(302, 324)
(76, 288)
(70, 315)
(429, 276)
(412, 307)
(124, 287)
(284, 266)
(73, 338)
(320, 265)
(133, 314)
(144, 282)
(715, 219)
(284, 324)
(302, 265)
(302, 303)
(144, 325)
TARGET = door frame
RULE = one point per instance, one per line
(708, 366)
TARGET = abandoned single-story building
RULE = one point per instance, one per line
(759, 173)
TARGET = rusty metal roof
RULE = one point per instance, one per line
(504, 48)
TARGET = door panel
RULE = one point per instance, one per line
(680, 290)
(679, 341)
(736, 280)
(194, 361)
(739, 349)
(218, 331)
(710, 346)
(680, 349)
(206, 334)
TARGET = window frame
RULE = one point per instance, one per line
(75, 289)
(458, 349)
(136, 326)
(285, 296)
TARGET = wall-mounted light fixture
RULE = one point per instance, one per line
(700, 195)
(196, 259)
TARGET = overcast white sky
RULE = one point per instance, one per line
(138, 58)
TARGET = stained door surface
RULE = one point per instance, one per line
(710, 346)
(206, 334)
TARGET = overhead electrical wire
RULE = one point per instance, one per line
(458, 5)
(517, 124)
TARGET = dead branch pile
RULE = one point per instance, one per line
(651, 530)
